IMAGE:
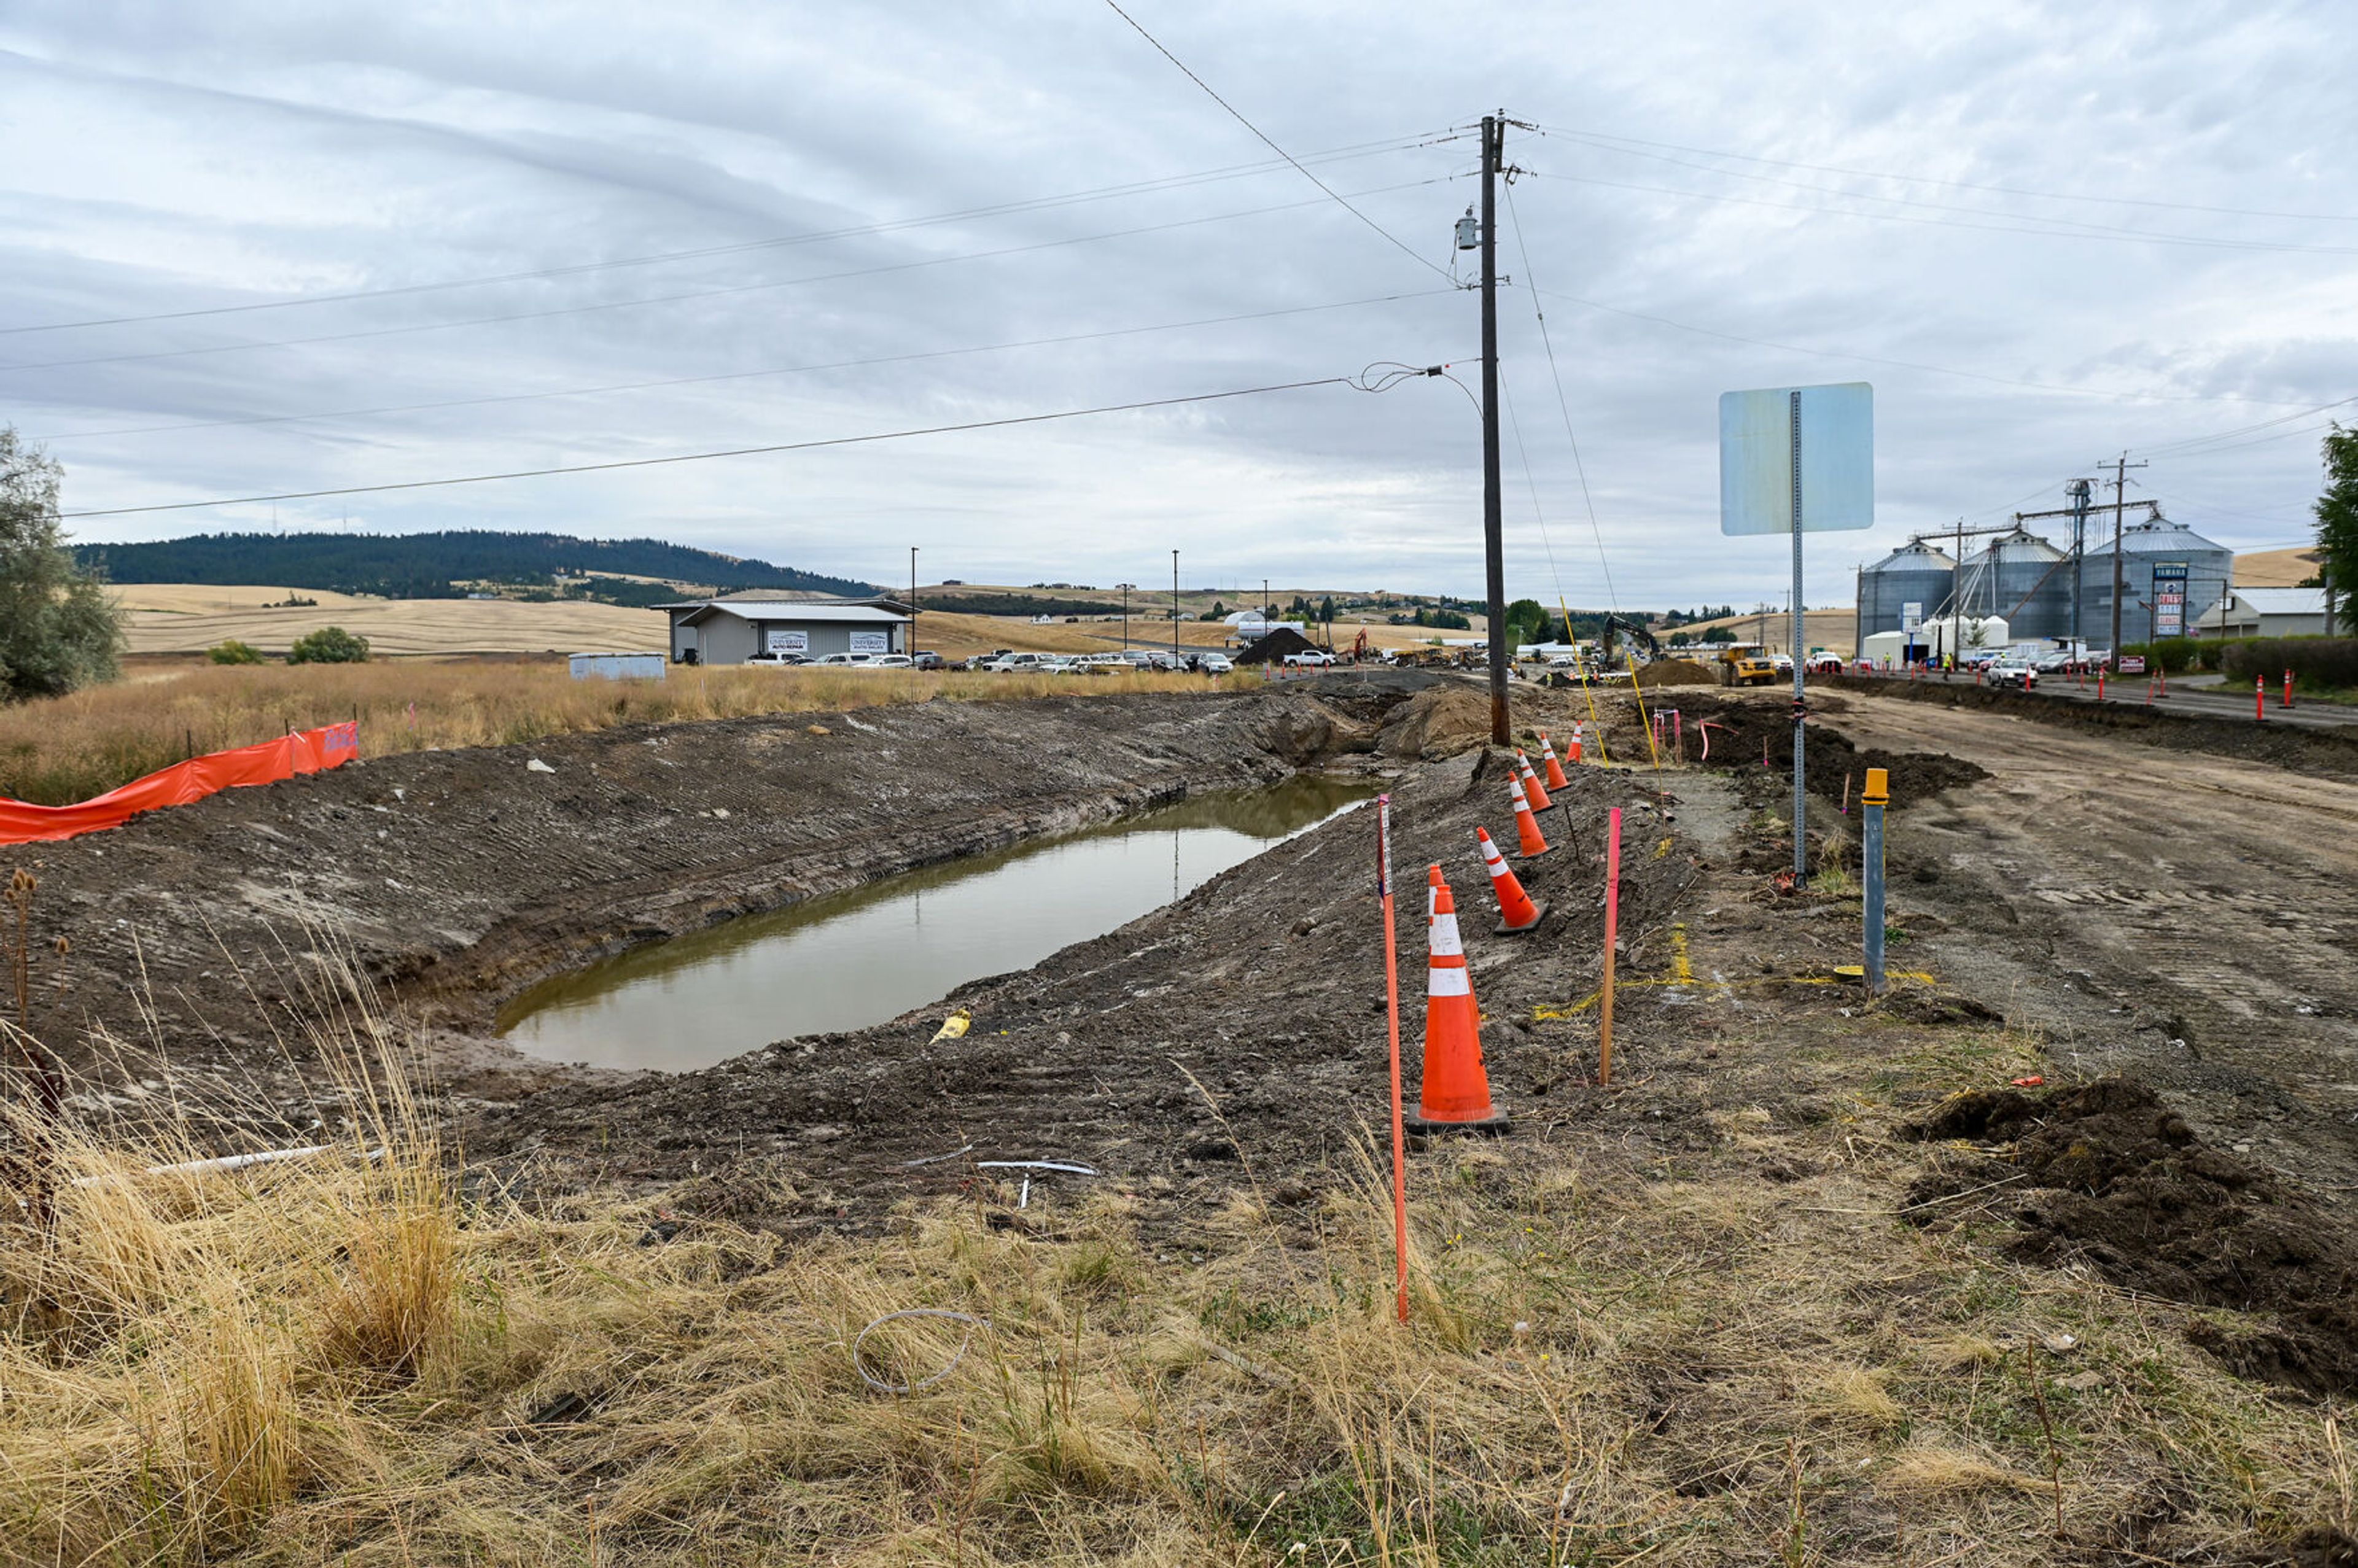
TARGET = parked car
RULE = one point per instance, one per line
(1784, 663)
(837, 661)
(889, 662)
(2014, 673)
(1310, 658)
(778, 660)
(1216, 663)
(1019, 664)
(1826, 664)
(926, 659)
(2055, 663)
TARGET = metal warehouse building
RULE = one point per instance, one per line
(731, 631)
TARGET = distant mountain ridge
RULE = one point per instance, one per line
(425, 566)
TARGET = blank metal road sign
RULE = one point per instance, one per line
(1831, 427)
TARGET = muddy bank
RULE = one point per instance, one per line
(1742, 731)
(453, 879)
(2329, 753)
(2109, 1174)
(1245, 1022)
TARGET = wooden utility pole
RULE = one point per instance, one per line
(912, 604)
(1494, 550)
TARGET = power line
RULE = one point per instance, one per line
(1952, 184)
(704, 457)
(1388, 236)
(1562, 402)
(1006, 208)
(692, 294)
(744, 375)
(2108, 230)
(1916, 364)
(2180, 447)
(2049, 231)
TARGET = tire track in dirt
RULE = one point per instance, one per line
(2197, 914)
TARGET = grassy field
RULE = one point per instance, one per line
(342, 1358)
(61, 749)
(187, 618)
(2276, 569)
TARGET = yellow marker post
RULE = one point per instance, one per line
(1871, 803)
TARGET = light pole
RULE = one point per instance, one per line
(912, 604)
(1125, 618)
(1174, 607)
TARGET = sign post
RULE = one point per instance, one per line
(1766, 470)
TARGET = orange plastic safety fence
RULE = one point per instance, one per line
(305, 752)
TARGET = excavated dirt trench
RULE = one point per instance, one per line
(1232, 1041)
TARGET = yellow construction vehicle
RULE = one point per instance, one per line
(1745, 666)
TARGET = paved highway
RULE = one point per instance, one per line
(2205, 695)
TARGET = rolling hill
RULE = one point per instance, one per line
(427, 565)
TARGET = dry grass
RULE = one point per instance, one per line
(335, 1358)
(66, 749)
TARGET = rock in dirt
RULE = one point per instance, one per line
(2113, 1177)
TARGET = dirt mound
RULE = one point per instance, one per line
(1676, 672)
(2120, 1181)
(1742, 733)
(1435, 723)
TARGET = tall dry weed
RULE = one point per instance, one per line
(66, 749)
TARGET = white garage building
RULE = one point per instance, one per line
(731, 631)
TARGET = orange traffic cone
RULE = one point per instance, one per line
(1432, 891)
(1527, 827)
(1516, 910)
(1573, 750)
(1554, 769)
(1456, 1092)
(1532, 789)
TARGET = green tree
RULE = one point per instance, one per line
(329, 645)
(1718, 635)
(58, 629)
(234, 653)
(2337, 523)
(1326, 611)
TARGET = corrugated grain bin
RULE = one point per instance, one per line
(617, 666)
(1916, 574)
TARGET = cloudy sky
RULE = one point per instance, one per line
(251, 247)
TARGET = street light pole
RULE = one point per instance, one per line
(912, 604)
(1174, 607)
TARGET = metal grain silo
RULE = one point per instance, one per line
(2026, 581)
(2156, 543)
(1915, 573)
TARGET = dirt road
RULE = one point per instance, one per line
(2187, 917)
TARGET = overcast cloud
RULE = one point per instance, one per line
(165, 158)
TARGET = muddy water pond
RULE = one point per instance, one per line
(859, 957)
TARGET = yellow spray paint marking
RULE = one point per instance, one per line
(1685, 976)
(1663, 847)
(1682, 971)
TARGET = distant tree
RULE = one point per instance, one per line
(2337, 523)
(329, 645)
(58, 629)
(1681, 639)
(234, 653)
(1326, 611)
(1719, 634)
